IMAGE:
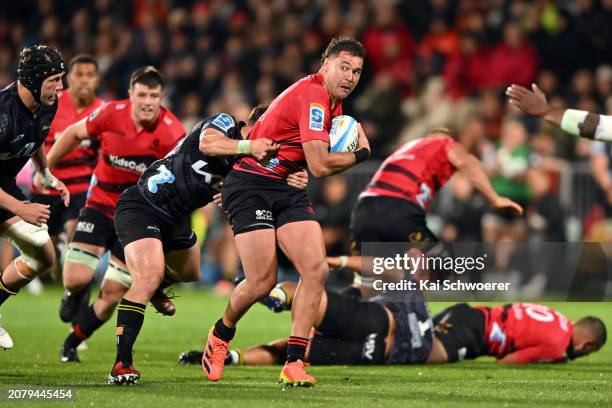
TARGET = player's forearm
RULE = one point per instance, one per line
(39, 159)
(66, 143)
(473, 171)
(582, 123)
(217, 145)
(331, 164)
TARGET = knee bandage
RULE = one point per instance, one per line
(116, 273)
(28, 239)
(82, 256)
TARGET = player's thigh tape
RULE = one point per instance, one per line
(118, 274)
(28, 239)
(82, 256)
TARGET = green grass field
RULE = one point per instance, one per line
(34, 324)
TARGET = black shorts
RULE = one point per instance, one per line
(388, 219)
(352, 332)
(60, 214)
(461, 330)
(135, 219)
(256, 202)
(16, 192)
(95, 228)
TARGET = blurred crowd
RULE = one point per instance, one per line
(430, 63)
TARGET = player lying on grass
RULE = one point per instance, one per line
(576, 122)
(152, 219)
(349, 331)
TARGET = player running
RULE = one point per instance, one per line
(576, 122)
(132, 134)
(395, 202)
(153, 218)
(265, 212)
(27, 108)
(517, 333)
(349, 331)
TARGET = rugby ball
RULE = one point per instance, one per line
(343, 136)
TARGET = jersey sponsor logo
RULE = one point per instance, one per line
(263, 215)
(317, 117)
(223, 122)
(167, 121)
(93, 114)
(85, 226)
(153, 228)
(369, 346)
(123, 163)
(120, 106)
(164, 176)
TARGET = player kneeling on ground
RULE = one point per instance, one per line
(153, 218)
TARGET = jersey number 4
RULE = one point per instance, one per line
(198, 166)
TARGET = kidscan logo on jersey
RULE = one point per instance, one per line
(263, 215)
(123, 163)
(317, 117)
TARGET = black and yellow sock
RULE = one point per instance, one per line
(296, 349)
(5, 292)
(130, 316)
(85, 325)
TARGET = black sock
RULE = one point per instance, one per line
(130, 316)
(223, 332)
(83, 299)
(85, 325)
(5, 292)
(296, 349)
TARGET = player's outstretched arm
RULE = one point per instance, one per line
(576, 122)
(471, 168)
(215, 143)
(32, 213)
(322, 163)
(70, 138)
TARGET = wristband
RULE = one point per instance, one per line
(571, 119)
(46, 178)
(361, 155)
(343, 261)
(244, 147)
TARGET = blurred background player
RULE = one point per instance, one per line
(27, 108)
(517, 333)
(264, 211)
(576, 122)
(76, 168)
(153, 218)
(394, 204)
(132, 134)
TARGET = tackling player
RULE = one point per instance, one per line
(132, 134)
(265, 212)
(153, 218)
(576, 122)
(517, 333)
(27, 108)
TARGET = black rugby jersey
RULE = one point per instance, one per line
(21, 132)
(187, 179)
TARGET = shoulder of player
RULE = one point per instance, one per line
(171, 122)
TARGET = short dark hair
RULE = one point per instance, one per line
(348, 44)
(596, 327)
(82, 59)
(441, 130)
(256, 113)
(149, 76)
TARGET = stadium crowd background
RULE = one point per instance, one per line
(430, 63)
